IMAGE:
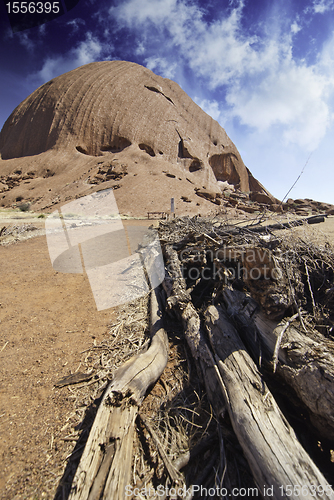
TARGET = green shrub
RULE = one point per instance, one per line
(24, 207)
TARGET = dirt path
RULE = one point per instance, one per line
(47, 320)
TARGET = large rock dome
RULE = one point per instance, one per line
(116, 123)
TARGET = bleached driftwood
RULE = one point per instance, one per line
(305, 359)
(274, 454)
(179, 300)
(105, 466)
(272, 450)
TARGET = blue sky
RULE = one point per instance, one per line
(263, 68)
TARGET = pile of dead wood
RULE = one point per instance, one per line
(256, 307)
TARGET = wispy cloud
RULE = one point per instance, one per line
(292, 98)
(133, 12)
(76, 24)
(27, 42)
(162, 66)
(322, 6)
(88, 50)
(211, 107)
(295, 27)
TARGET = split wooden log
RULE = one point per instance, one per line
(274, 454)
(272, 450)
(104, 470)
(305, 360)
(179, 300)
(259, 228)
(314, 219)
(225, 230)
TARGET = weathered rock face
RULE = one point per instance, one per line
(116, 121)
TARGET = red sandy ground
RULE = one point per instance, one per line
(47, 320)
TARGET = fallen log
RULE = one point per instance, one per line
(179, 300)
(272, 450)
(104, 470)
(223, 231)
(305, 360)
(314, 219)
(232, 379)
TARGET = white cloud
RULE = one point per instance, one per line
(76, 24)
(295, 28)
(42, 29)
(325, 61)
(135, 12)
(162, 66)
(140, 49)
(293, 97)
(218, 49)
(211, 107)
(222, 53)
(26, 42)
(322, 6)
(89, 50)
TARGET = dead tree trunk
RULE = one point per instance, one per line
(179, 300)
(305, 360)
(105, 466)
(273, 452)
(231, 376)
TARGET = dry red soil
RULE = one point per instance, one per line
(46, 320)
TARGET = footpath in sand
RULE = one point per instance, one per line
(47, 320)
